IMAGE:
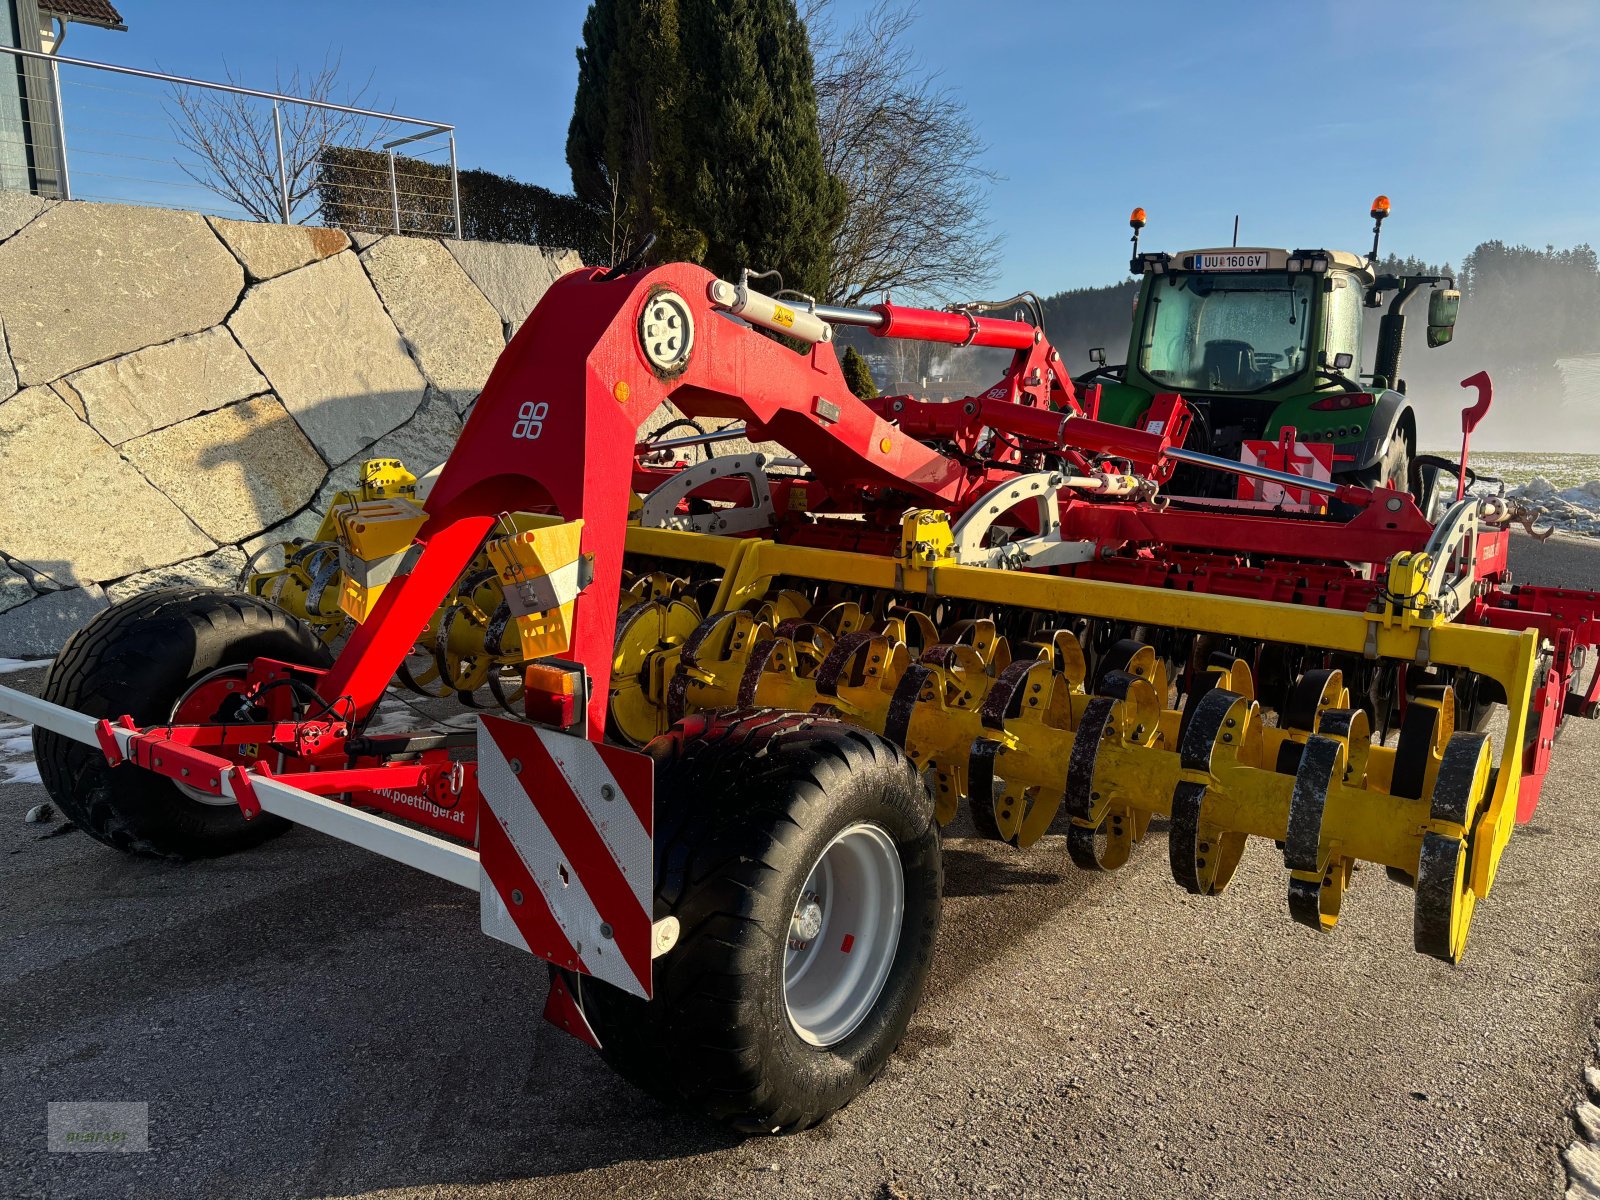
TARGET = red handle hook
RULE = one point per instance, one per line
(1469, 421)
(1471, 416)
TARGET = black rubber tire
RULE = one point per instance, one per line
(1393, 470)
(746, 802)
(138, 657)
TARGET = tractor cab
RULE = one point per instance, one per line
(1247, 322)
(1260, 340)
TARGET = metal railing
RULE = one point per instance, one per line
(223, 150)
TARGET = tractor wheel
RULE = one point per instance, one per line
(801, 859)
(145, 657)
(1392, 470)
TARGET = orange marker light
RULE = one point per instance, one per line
(622, 391)
(1380, 208)
(1137, 219)
(552, 681)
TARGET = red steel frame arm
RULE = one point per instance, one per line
(555, 428)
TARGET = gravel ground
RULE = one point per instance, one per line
(306, 1020)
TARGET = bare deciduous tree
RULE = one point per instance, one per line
(235, 148)
(909, 157)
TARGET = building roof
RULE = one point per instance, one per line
(84, 12)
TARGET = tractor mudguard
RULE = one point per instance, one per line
(1383, 425)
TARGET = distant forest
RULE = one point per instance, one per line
(1522, 311)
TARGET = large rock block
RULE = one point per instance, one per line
(17, 209)
(455, 333)
(422, 443)
(41, 627)
(220, 570)
(153, 388)
(512, 278)
(86, 282)
(271, 250)
(8, 372)
(72, 508)
(234, 471)
(305, 524)
(331, 353)
(14, 588)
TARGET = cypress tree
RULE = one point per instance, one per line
(758, 189)
(625, 141)
(857, 375)
(696, 120)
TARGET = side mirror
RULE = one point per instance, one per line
(1444, 305)
(1098, 356)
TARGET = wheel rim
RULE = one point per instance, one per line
(843, 935)
(196, 706)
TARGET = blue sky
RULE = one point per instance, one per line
(1475, 116)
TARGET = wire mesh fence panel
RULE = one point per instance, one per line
(381, 190)
(74, 129)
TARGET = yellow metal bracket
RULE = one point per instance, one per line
(374, 536)
(541, 572)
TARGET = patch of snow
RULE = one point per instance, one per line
(24, 772)
(8, 665)
(1574, 508)
(1585, 495)
(15, 744)
(1537, 488)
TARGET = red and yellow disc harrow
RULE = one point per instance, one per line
(996, 589)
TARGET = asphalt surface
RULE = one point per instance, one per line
(306, 1020)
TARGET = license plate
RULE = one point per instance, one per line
(1256, 261)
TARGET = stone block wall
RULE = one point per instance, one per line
(176, 390)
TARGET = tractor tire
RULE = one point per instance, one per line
(1392, 470)
(140, 657)
(748, 805)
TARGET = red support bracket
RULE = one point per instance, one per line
(561, 1009)
(244, 790)
(109, 746)
(162, 754)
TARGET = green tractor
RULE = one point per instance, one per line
(1259, 340)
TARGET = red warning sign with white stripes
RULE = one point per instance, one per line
(1310, 460)
(564, 850)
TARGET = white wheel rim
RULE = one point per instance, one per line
(190, 790)
(843, 935)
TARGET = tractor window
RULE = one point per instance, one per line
(1226, 332)
(1344, 320)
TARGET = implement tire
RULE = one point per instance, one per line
(748, 804)
(139, 657)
